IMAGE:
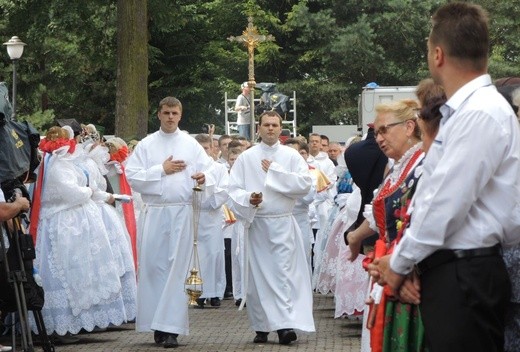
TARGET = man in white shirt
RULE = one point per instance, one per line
(335, 151)
(279, 294)
(324, 143)
(223, 143)
(467, 202)
(243, 109)
(210, 235)
(164, 168)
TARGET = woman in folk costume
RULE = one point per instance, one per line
(73, 253)
(129, 207)
(394, 326)
(347, 280)
(351, 281)
(324, 275)
(94, 163)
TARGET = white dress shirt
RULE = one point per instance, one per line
(469, 193)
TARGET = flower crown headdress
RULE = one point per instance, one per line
(56, 138)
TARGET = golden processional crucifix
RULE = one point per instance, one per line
(251, 39)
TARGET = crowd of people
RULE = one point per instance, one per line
(414, 227)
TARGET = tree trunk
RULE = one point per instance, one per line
(132, 69)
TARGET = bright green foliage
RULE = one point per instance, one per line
(40, 119)
(325, 50)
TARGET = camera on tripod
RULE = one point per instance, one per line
(13, 188)
(17, 193)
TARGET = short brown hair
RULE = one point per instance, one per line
(203, 138)
(301, 144)
(234, 151)
(171, 102)
(462, 29)
(234, 143)
(221, 139)
(269, 113)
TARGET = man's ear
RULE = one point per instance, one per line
(438, 56)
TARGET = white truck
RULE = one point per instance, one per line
(373, 95)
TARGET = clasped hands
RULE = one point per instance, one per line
(405, 288)
(171, 166)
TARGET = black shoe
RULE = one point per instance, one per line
(228, 295)
(261, 337)
(201, 302)
(159, 337)
(67, 339)
(215, 302)
(239, 301)
(171, 341)
(286, 336)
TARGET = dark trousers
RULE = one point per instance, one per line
(314, 232)
(463, 305)
(227, 264)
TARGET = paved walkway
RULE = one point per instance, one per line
(227, 329)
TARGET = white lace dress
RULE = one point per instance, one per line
(347, 280)
(118, 235)
(73, 254)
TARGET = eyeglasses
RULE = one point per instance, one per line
(384, 129)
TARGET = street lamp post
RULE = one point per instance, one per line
(15, 50)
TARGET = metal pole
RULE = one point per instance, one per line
(13, 115)
(252, 112)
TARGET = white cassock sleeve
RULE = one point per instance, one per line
(217, 183)
(295, 184)
(238, 194)
(145, 180)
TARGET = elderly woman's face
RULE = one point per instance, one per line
(391, 135)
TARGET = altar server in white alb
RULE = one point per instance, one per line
(279, 294)
(210, 234)
(164, 168)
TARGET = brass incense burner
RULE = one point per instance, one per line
(193, 287)
(193, 282)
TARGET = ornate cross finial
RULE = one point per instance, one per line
(251, 39)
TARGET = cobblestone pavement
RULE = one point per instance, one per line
(227, 329)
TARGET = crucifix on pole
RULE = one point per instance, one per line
(251, 39)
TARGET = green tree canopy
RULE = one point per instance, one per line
(325, 50)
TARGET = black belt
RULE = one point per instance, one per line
(448, 255)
